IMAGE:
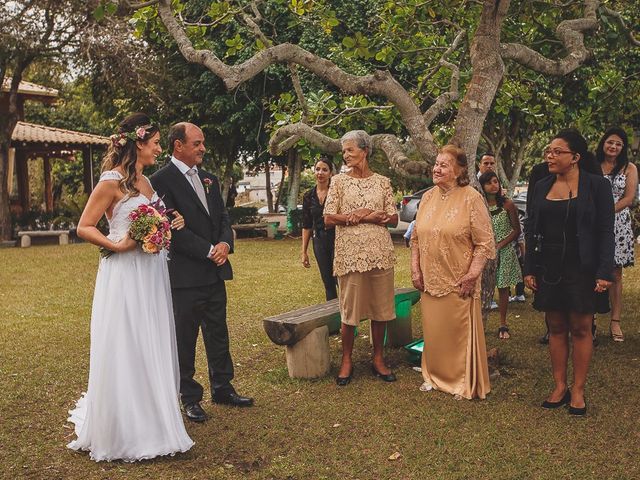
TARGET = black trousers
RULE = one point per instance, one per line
(202, 308)
(323, 249)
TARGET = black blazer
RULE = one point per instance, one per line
(188, 264)
(595, 218)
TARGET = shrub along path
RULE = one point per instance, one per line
(309, 429)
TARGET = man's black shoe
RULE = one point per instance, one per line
(195, 413)
(232, 398)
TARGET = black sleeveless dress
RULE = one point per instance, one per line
(563, 283)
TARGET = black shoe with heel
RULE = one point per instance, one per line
(563, 401)
(344, 381)
(578, 412)
(389, 377)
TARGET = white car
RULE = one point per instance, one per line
(281, 209)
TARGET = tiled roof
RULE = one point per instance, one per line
(31, 133)
(28, 88)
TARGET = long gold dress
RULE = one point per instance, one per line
(450, 230)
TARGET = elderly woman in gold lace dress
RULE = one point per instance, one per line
(451, 242)
(360, 204)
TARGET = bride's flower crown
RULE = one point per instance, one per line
(120, 139)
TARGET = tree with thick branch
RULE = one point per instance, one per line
(487, 55)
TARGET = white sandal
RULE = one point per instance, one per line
(426, 387)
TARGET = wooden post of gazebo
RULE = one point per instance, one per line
(48, 191)
(22, 173)
(87, 170)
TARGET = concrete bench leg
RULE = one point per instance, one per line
(25, 241)
(309, 358)
(64, 239)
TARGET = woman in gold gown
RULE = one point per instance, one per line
(452, 240)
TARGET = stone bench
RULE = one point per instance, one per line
(25, 236)
(305, 332)
(271, 228)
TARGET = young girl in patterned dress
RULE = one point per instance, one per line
(506, 228)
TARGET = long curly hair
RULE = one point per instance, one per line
(123, 152)
(622, 160)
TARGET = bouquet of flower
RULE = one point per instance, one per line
(150, 227)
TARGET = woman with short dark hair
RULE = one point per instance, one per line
(569, 259)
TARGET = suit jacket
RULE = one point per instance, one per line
(595, 219)
(189, 265)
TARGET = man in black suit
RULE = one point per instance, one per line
(198, 267)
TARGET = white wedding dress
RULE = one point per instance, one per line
(131, 410)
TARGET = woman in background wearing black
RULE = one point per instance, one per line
(569, 259)
(313, 227)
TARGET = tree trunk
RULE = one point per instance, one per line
(5, 212)
(7, 125)
(227, 178)
(294, 179)
(488, 70)
(280, 189)
(267, 181)
(517, 167)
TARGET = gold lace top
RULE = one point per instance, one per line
(363, 247)
(450, 230)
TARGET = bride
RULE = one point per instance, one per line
(130, 410)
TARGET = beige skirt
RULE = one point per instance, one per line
(454, 358)
(367, 295)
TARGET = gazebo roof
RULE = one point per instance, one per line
(32, 133)
(30, 89)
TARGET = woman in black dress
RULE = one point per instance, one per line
(313, 227)
(569, 259)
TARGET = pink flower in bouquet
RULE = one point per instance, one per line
(150, 227)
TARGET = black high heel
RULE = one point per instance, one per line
(389, 377)
(579, 412)
(563, 401)
(344, 381)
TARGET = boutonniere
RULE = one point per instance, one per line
(207, 184)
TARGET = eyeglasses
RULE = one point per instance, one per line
(555, 152)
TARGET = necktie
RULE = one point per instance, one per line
(197, 186)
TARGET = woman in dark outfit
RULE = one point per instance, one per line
(313, 227)
(569, 259)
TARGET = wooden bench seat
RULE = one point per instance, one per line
(25, 236)
(305, 332)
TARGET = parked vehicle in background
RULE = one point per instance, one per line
(281, 209)
(409, 205)
(520, 201)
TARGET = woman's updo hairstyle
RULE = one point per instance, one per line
(123, 151)
(578, 144)
(460, 163)
(327, 161)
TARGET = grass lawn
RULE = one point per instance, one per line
(310, 429)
